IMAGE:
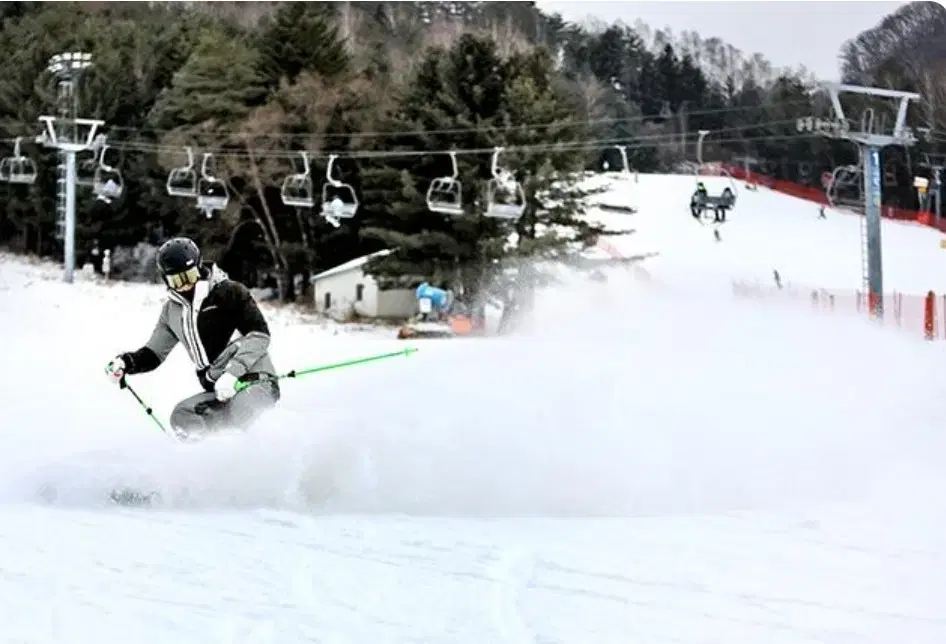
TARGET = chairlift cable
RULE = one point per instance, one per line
(482, 128)
(558, 147)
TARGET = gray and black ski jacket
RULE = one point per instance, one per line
(205, 325)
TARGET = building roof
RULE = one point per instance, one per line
(349, 265)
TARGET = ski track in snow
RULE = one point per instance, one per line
(653, 463)
(276, 577)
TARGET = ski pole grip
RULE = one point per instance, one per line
(254, 379)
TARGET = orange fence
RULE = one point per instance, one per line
(818, 196)
(915, 313)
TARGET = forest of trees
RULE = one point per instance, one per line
(391, 89)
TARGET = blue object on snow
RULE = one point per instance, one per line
(439, 298)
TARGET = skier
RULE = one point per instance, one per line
(203, 309)
(698, 200)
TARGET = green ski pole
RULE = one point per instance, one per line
(144, 406)
(295, 373)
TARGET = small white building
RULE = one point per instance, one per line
(346, 289)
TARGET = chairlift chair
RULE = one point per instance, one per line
(182, 182)
(842, 177)
(22, 168)
(297, 189)
(625, 164)
(107, 183)
(212, 193)
(732, 190)
(337, 207)
(500, 204)
(87, 165)
(445, 194)
(85, 170)
(23, 171)
(625, 169)
(729, 194)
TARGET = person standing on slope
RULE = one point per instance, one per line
(203, 309)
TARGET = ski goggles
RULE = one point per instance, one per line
(183, 280)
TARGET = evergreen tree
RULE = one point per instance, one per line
(452, 103)
(298, 37)
(219, 83)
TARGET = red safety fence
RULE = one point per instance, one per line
(818, 196)
(914, 313)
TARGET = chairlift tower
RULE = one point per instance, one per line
(69, 134)
(870, 142)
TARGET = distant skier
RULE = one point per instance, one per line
(699, 200)
(203, 309)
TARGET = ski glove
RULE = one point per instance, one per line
(225, 387)
(115, 370)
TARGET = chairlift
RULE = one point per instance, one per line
(727, 195)
(890, 175)
(625, 164)
(344, 204)
(107, 183)
(212, 193)
(805, 170)
(182, 182)
(731, 189)
(297, 189)
(86, 167)
(22, 169)
(844, 176)
(445, 194)
(87, 162)
(505, 198)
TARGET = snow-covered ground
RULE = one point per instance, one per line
(765, 231)
(650, 462)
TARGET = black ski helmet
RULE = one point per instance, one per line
(179, 262)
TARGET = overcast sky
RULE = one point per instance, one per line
(788, 33)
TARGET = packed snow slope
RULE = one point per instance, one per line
(766, 230)
(643, 462)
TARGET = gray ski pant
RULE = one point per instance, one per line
(202, 413)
